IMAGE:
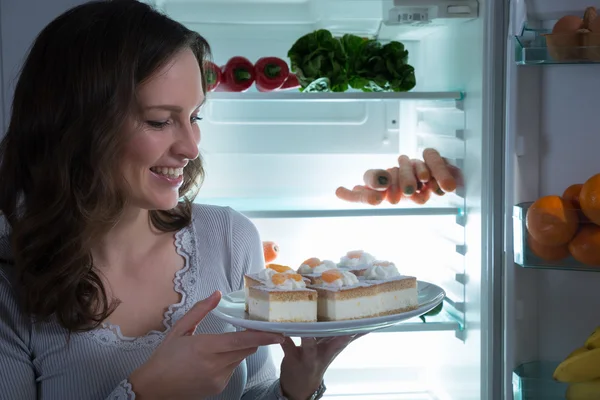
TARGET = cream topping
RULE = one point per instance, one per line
(379, 271)
(324, 266)
(266, 274)
(347, 279)
(288, 284)
(364, 259)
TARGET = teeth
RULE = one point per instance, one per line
(170, 172)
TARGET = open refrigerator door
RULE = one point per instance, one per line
(278, 157)
(551, 281)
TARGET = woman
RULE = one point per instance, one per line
(109, 272)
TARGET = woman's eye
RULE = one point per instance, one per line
(196, 119)
(158, 124)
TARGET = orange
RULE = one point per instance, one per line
(279, 279)
(590, 199)
(278, 267)
(270, 251)
(547, 253)
(572, 194)
(331, 275)
(585, 246)
(552, 221)
(312, 262)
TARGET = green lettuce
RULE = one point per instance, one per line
(319, 55)
(373, 67)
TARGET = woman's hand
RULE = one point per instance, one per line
(188, 366)
(303, 367)
(412, 179)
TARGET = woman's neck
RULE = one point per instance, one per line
(127, 242)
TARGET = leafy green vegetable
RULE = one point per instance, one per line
(432, 312)
(373, 67)
(319, 55)
(363, 64)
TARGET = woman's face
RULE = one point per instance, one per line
(165, 135)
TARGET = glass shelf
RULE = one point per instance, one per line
(533, 381)
(441, 322)
(283, 207)
(533, 47)
(524, 256)
(294, 95)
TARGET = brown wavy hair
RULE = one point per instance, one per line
(58, 160)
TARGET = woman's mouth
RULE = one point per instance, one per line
(172, 176)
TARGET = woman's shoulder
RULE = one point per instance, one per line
(208, 217)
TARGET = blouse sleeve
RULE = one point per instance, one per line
(17, 374)
(247, 257)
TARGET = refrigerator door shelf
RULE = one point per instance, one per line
(533, 381)
(526, 258)
(539, 47)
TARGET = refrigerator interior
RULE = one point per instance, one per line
(278, 158)
(551, 143)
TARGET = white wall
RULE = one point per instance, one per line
(20, 23)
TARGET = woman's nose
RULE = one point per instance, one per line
(188, 140)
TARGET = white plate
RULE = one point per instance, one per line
(231, 310)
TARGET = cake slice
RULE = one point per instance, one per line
(397, 293)
(261, 277)
(283, 298)
(313, 267)
(341, 296)
(356, 261)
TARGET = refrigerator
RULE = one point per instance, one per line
(488, 97)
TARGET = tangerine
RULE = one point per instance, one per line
(572, 194)
(552, 221)
(312, 262)
(585, 246)
(590, 199)
(331, 275)
(278, 267)
(547, 253)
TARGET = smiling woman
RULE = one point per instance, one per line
(108, 271)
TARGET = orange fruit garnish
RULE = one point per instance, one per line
(552, 221)
(548, 253)
(589, 198)
(585, 246)
(312, 262)
(331, 275)
(270, 251)
(278, 267)
(354, 254)
(280, 278)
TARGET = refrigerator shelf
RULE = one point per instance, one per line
(533, 381)
(534, 47)
(350, 96)
(525, 257)
(332, 207)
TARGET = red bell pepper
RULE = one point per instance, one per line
(290, 83)
(271, 73)
(213, 76)
(238, 75)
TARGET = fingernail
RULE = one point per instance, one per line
(439, 191)
(409, 190)
(383, 180)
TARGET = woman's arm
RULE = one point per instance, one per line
(17, 374)
(247, 257)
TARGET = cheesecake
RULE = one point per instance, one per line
(397, 293)
(282, 298)
(261, 277)
(341, 296)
